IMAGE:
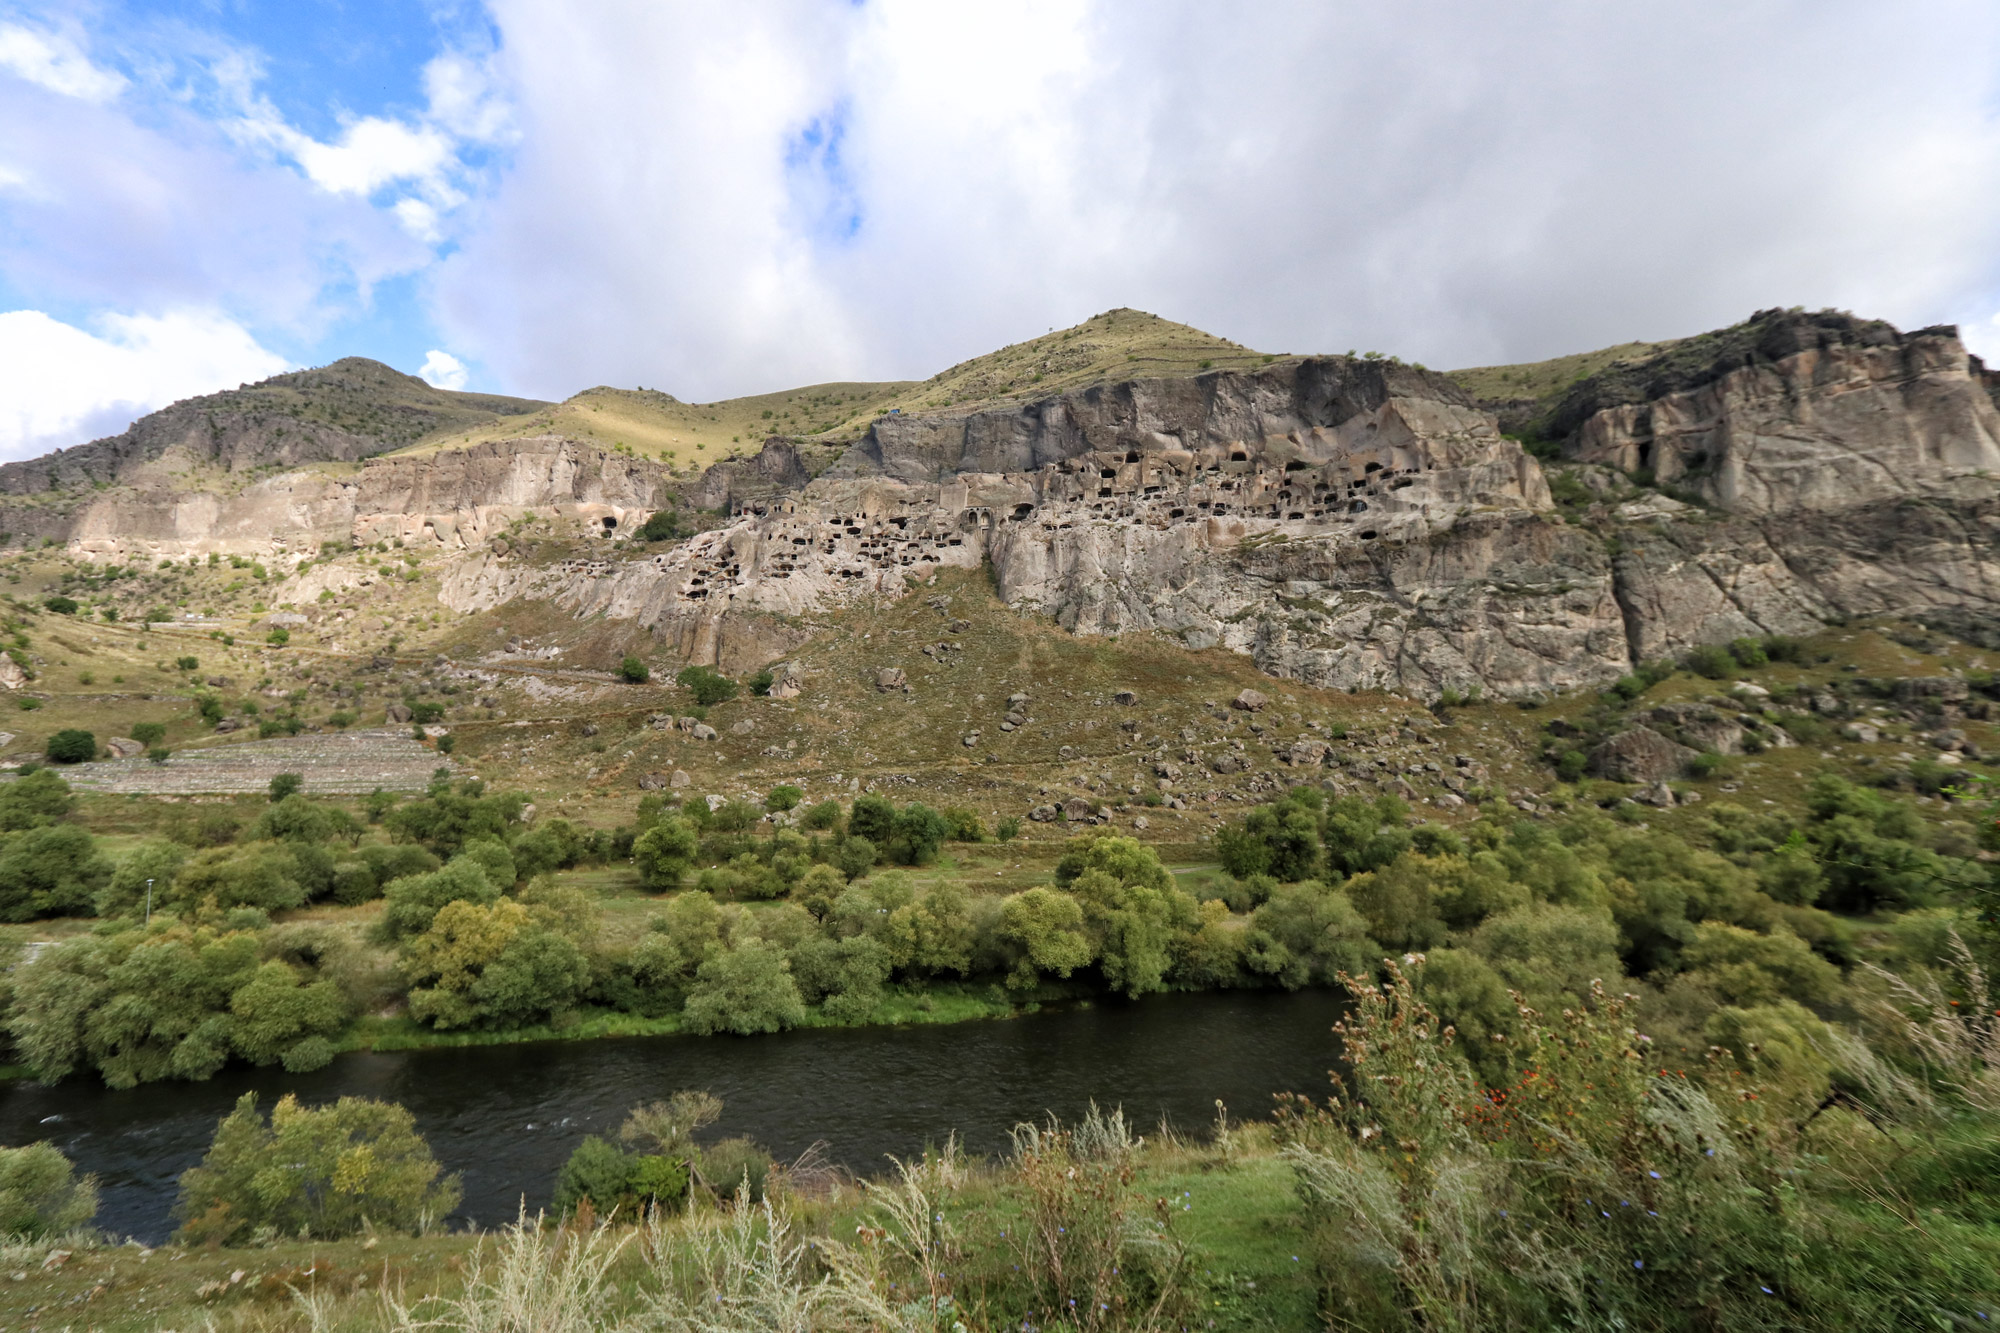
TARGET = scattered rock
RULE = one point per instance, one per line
(1127, 698)
(1066, 752)
(1042, 814)
(1141, 823)
(1308, 753)
(970, 739)
(1861, 733)
(528, 813)
(1659, 794)
(1229, 762)
(680, 779)
(124, 747)
(399, 712)
(704, 732)
(652, 781)
(1639, 755)
(229, 724)
(1250, 701)
(890, 678)
(285, 620)
(1932, 689)
(1076, 809)
(1015, 701)
(958, 626)
(589, 729)
(1750, 691)
(11, 674)
(716, 802)
(743, 727)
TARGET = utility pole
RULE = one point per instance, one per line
(149, 902)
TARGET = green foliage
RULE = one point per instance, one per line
(285, 785)
(782, 798)
(634, 671)
(748, 988)
(917, 835)
(187, 663)
(664, 854)
(445, 820)
(414, 901)
(1713, 661)
(318, 1172)
(825, 815)
(125, 893)
(1308, 935)
(54, 870)
(761, 683)
(615, 1180)
(661, 526)
(62, 606)
(706, 685)
(1131, 908)
(41, 798)
(492, 965)
(41, 1195)
(874, 818)
(173, 1002)
(279, 637)
(148, 733)
(71, 745)
(855, 855)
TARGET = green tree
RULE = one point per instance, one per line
(320, 1172)
(1133, 910)
(415, 900)
(1308, 934)
(50, 871)
(284, 785)
(36, 800)
(706, 685)
(125, 893)
(148, 733)
(664, 854)
(1044, 933)
(747, 989)
(783, 798)
(282, 1017)
(844, 977)
(491, 965)
(41, 1195)
(917, 835)
(874, 818)
(71, 746)
(854, 855)
(634, 671)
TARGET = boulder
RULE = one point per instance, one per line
(742, 727)
(124, 747)
(1250, 701)
(787, 679)
(1704, 726)
(680, 779)
(11, 674)
(704, 732)
(1861, 733)
(1017, 701)
(1307, 753)
(399, 712)
(652, 781)
(1126, 698)
(1076, 809)
(1229, 762)
(1042, 814)
(1639, 755)
(890, 678)
(1932, 689)
(588, 729)
(1659, 794)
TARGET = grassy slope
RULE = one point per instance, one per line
(1542, 382)
(1117, 343)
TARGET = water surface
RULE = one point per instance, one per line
(506, 1117)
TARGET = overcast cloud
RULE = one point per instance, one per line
(716, 200)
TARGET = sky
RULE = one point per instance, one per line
(534, 197)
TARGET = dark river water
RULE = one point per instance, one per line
(506, 1117)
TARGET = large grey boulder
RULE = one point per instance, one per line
(1640, 755)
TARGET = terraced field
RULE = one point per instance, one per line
(344, 763)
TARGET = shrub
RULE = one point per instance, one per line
(491, 965)
(1713, 661)
(40, 1194)
(783, 798)
(41, 798)
(1750, 652)
(662, 526)
(610, 1178)
(62, 606)
(664, 854)
(706, 685)
(1007, 829)
(761, 683)
(71, 746)
(148, 733)
(917, 835)
(633, 671)
(279, 637)
(285, 784)
(748, 989)
(54, 870)
(159, 754)
(319, 1172)
(855, 856)
(874, 818)
(187, 663)
(825, 815)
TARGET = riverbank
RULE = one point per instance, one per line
(1233, 1208)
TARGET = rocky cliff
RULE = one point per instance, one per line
(1353, 523)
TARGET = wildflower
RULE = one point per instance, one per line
(1766, 1290)
(1654, 1174)
(1638, 1263)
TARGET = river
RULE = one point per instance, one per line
(506, 1117)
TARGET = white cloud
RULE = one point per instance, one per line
(61, 385)
(442, 370)
(725, 202)
(53, 61)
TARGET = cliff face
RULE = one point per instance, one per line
(1818, 413)
(1352, 523)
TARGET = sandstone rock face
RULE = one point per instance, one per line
(1639, 755)
(1829, 413)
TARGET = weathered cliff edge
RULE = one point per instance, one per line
(1351, 523)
